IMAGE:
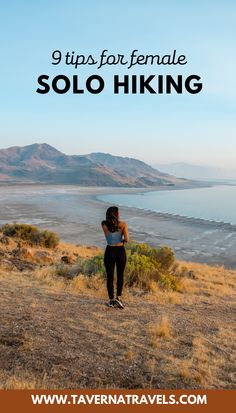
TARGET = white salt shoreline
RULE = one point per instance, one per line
(75, 213)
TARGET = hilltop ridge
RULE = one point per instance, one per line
(57, 331)
(42, 163)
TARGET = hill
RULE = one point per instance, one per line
(57, 331)
(196, 172)
(41, 163)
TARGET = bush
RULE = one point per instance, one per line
(140, 270)
(145, 265)
(169, 282)
(94, 265)
(31, 234)
(165, 257)
(49, 239)
(141, 249)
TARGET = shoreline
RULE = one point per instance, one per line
(184, 218)
(75, 214)
(193, 239)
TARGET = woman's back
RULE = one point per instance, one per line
(116, 233)
(114, 237)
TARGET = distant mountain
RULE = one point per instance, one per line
(41, 163)
(198, 172)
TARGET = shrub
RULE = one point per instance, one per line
(166, 257)
(140, 270)
(31, 234)
(169, 282)
(49, 239)
(145, 265)
(94, 265)
(163, 257)
(141, 249)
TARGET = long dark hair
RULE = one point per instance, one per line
(112, 221)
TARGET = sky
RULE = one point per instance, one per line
(198, 129)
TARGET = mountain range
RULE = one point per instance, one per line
(197, 172)
(41, 163)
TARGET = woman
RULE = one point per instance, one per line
(116, 233)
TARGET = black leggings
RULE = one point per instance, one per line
(115, 256)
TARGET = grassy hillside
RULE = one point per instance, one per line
(176, 331)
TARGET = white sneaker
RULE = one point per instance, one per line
(119, 302)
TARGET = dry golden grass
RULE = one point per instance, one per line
(21, 380)
(159, 329)
(64, 336)
(83, 251)
(129, 355)
(163, 297)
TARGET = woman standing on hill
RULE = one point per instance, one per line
(116, 233)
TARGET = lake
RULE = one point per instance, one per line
(217, 203)
(75, 213)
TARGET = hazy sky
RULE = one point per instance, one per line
(155, 128)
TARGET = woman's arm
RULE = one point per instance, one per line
(125, 232)
(104, 227)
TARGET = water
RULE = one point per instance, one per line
(75, 214)
(216, 203)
